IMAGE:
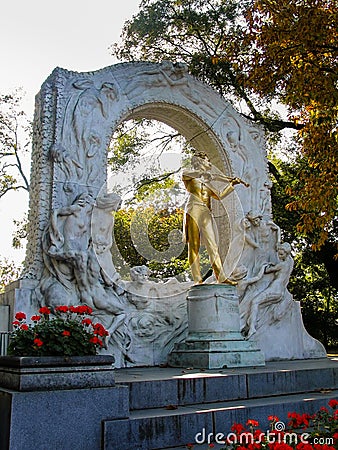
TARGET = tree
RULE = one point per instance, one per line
(199, 33)
(15, 139)
(314, 281)
(256, 53)
(8, 272)
(294, 59)
(15, 131)
(144, 235)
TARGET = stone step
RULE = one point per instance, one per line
(160, 388)
(163, 428)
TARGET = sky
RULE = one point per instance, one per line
(35, 37)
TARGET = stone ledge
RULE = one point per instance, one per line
(26, 374)
(55, 361)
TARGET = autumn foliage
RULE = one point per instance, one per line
(294, 58)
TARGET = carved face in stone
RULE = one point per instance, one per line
(84, 199)
(139, 273)
(109, 201)
(283, 251)
(255, 218)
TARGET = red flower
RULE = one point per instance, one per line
(62, 309)
(335, 436)
(323, 447)
(273, 419)
(24, 327)
(38, 342)
(280, 446)
(45, 310)
(211, 445)
(35, 318)
(303, 446)
(88, 310)
(95, 340)
(86, 322)
(81, 309)
(258, 434)
(16, 323)
(100, 330)
(20, 316)
(333, 403)
(237, 428)
(252, 422)
(66, 333)
(299, 419)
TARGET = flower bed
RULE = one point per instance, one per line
(70, 331)
(303, 432)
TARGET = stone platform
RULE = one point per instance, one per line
(169, 406)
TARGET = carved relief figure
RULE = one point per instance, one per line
(264, 198)
(70, 225)
(233, 136)
(243, 142)
(275, 291)
(169, 74)
(156, 314)
(267, 235)
(102, 233)
(77, 151)
(137, 290)
(110, 307)
(66, 243)
(240, 275)
(199, 227)
(245, 243)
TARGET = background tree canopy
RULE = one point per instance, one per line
(276, 62)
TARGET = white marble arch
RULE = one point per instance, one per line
(77, 113)
(75, 117)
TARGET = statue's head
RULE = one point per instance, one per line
(254, 217)
(139, 273)
(283, 250)
(200, 160)
(109, 200)
(84, 199)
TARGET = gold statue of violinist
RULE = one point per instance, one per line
(198, 226)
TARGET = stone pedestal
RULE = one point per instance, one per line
(58, 403)
(214, 340)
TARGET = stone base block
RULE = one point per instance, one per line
(216, 354)
(55, 420)
(214, 340)
(57, 403)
